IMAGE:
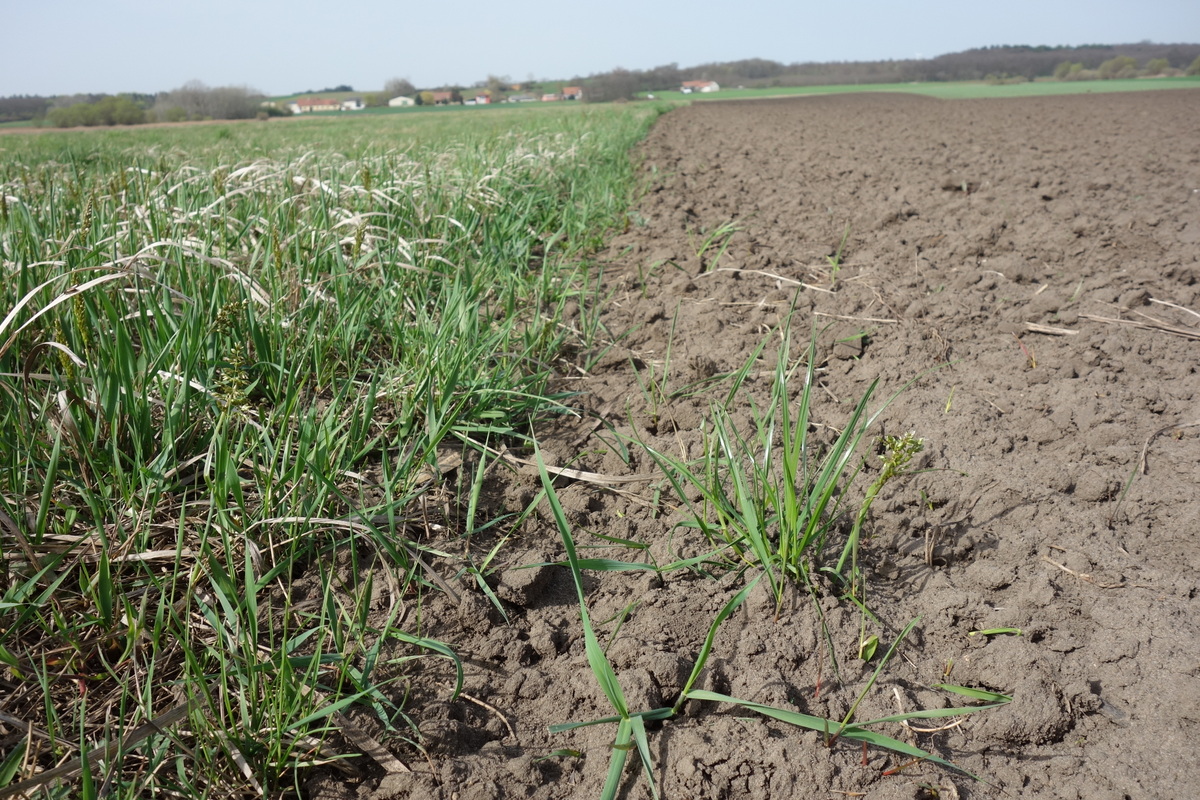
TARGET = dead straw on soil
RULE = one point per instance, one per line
(1153, 323)
(1089, 578)
(772, 275)
(1142, 459)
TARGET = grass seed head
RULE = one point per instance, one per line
(83, 324)
(89, 210)
(898, 451)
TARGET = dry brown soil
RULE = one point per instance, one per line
(971, 225)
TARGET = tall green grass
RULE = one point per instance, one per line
(228, 360)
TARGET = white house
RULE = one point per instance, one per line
(353, 104)
(699, 86)
(401, 102)
(304, 105)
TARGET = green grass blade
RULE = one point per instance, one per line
(706, 648)
(783, 715)
(612, 782)
(931, 713)
(441, 649)
(821, 725)
(638, 726)
(858, 734)
(595, 653)
(570, 726)
(12, 762)
(883, 662)
(976, 694)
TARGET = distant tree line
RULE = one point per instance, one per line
(341, 87)
(110, 110)
(1036, 62)
(21, 107)
(192, 101)
(1000, 62)
(195, 101)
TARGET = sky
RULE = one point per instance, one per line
(284, 46)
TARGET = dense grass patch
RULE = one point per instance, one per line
(229, 358)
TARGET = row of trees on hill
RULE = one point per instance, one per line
(1034, 62)
(1004, 61)
(108, 110)
(20, 107)
(192, 101)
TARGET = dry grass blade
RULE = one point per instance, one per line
(1049, 330)
(780, 278)
(75, 765)
(1175, 306)
(30, 730)
(1156, 434)
(242, 765)
(575, 474)
(880, 320)
(369, 746)
(488, 707)
(1084, 576)
(915, 729)
(9, 524)
(1153, 325)
(57, 300)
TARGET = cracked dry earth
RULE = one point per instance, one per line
(1046, 251)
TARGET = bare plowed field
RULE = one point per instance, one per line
(1031, 263)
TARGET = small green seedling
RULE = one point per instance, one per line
(563, 753)
(835, 260)
(716, 242)
(867, 647)
(996, 632)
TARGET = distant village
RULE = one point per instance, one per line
(474, 97)
(1004, 64)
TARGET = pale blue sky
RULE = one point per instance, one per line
(281, 46)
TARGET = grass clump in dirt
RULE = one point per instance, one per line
(769, 502)
(772, 497)
(632, 733)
